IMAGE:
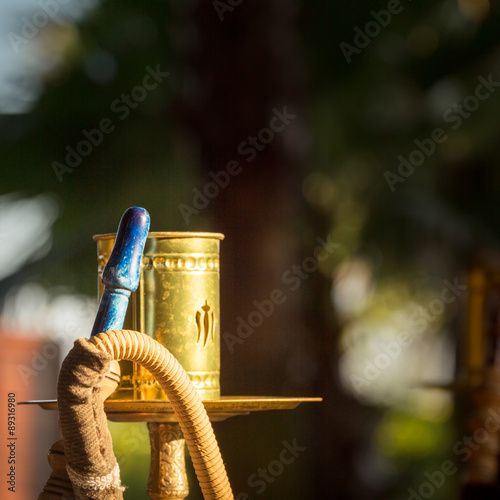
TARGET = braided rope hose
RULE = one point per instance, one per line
(185, 401)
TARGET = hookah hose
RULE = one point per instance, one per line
(91, 463)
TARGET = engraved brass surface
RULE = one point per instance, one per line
(177, 304)
(167, 476)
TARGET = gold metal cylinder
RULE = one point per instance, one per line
(177, 304)
(475, 342)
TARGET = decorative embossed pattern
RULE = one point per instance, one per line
(173, 262)
(167, 478)
(181, 262)
(201, 380)
(205, 323)
(204, 380)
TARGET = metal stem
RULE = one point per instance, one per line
(167, 476)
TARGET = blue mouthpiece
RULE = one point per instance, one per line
(122, 272)
(124, 265)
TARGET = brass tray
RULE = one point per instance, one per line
(161, 411)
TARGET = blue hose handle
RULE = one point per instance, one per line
(122, 272)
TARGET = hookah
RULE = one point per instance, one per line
(168, 371)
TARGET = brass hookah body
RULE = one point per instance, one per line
(176, 303)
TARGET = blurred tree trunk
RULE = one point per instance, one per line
(250, 62)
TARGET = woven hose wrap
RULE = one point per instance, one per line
(185, 401)
(91, 463)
